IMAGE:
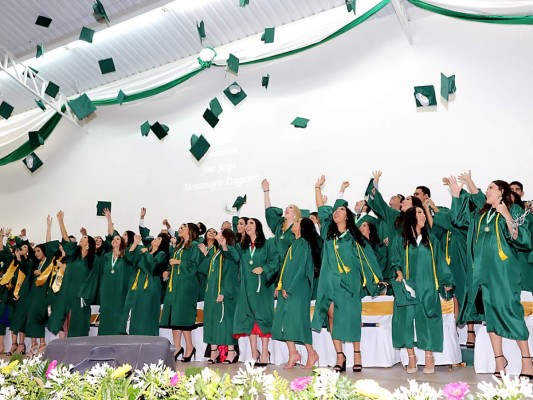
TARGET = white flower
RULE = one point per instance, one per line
(506, 388)
(325, 383)
(417, 391)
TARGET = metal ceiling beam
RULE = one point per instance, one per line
(403, 18)
(36, 85)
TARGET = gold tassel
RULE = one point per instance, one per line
(134, 286)
(502, 255)
(448, 258)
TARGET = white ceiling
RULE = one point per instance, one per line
(142, 34)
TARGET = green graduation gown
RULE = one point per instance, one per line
(496, 271)
(179, 308)
(143, 300)
(292, 317)
(38, 311)
(80, 282)
(425, 273)
(255, 297)
(345, 270)
(282, 238)
(203, 271)
(453, 247)
(21, 280)
(116, 277)
(221, 279)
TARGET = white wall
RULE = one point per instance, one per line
(357, 92)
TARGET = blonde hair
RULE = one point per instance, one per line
(297, 214)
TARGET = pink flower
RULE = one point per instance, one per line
(456, 390)
(175, 379)
(51, 367)
(301, 383)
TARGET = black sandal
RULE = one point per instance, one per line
(498, 374)
(528, 376)
(340, 368)
(357, 367)
(217, 359)
(235, 359)
(470, 345)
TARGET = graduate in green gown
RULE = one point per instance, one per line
(348, 265)
(116, 277)
(420, 274)
(258, 268)
(143, 301)
(211, 246)
(180, 306)
(294, 289)
(220, 297)
(381, 251)
(279, 221)
(18, 266)
(240, 229)
(80, 281)
(41, 280)
(500, 229)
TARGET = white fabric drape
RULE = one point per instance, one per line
(487, 7)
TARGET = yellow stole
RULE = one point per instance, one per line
(8, 276)
(41, 279)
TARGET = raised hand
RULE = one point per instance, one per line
(23, 232)
(446, 181)
(454, 186)
(107, 213)
(143, 212)
(83, 231)
(137, 239)
(376, 175)
(166, 223)
(320, 181)
(49, 220)
(465, 177)
(344, 186)
(265, 185)
(60, 215)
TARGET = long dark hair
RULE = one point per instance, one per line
(91, 252)
(400, 219)
(215, 242)
(506, 195)
(130, 235)
(164, 246)
(240, 236)
(194, 234)
(517, 200)
(259, 236)
(409, 228)
(333, 230)
(308, 232)
(373, 237)
(230, 237)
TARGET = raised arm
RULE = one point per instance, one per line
(110, 227)
(318, 191)
(376, 175)
(60, 219)
(48, 228)
(266, 192)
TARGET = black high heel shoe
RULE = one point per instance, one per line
(340, 368)
(356, 367)
(261, 364)
(497, 374)
(235, 359)
(13, 349)
(471, 345)
(179, 353)
(215, 360)
(188, 359)
(528, 376)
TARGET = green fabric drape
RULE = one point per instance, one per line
(494, 19)
(22, 151)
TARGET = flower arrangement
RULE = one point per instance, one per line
(38, 379)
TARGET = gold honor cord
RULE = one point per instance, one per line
(289, 255)
(211, 270)
(179, 253)
(502, 255)
(359, 252)
(20, 280)
(340, 264)
(432, 261)
(10, 273)
(56, 286)
(448, 258)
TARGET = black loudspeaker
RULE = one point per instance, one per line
(85, 352)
